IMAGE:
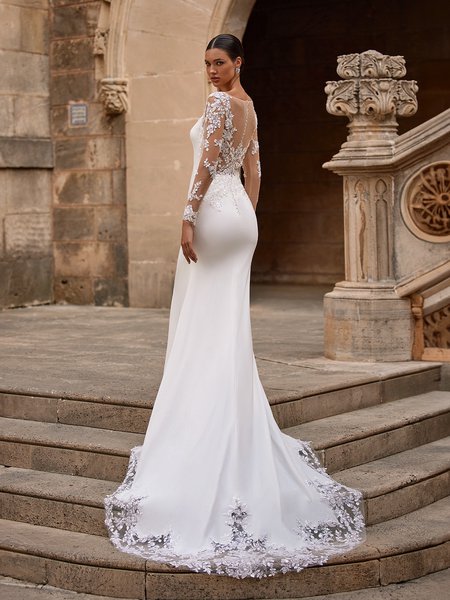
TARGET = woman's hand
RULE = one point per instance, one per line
(187, 239)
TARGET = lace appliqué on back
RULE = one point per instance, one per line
(243, 554)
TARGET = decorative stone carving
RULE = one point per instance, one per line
(114, 94)
(100, 41)
(375, 65)
(109, 47)
(370, 89)
(436, 328)
(348, 65)
(342, 98)
(426, 203)
(377, 97)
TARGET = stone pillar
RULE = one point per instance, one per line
(364, 318)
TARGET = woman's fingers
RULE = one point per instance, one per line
(188, 251)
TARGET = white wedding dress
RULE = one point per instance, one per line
(216, 487)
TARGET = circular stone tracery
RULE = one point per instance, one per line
(426, 203)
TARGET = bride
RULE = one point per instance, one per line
(216, 486)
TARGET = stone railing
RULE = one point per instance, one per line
(396, 208)
(430, 304)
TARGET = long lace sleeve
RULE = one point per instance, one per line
(252, 169)
(212, 139)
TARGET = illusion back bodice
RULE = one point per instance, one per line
(224, 139)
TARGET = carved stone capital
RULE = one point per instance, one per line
(114, 95)
(370, 89)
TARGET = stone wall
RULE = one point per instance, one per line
(291, 49)
(89, 203)
(25, 155)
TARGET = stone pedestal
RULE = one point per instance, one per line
(364, 317)
(367, 324)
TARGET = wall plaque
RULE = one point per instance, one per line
(78, 114)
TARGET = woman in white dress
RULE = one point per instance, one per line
(216, 486)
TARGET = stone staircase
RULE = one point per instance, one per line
(63, 455)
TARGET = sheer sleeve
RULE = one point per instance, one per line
(213, 127)
(252, 169)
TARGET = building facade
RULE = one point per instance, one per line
(97, 100)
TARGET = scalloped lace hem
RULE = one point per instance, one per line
(243, 554)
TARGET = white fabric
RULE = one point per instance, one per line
(216, 486)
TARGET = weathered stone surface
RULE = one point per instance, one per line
(74, 290)
(26, 281)
(6, 116)
(104, 416)
(34, 31)
(87, 259)
(24, 72)
(26, 153)
(85, 187)
(414, 564)
(31, 116)
(28, 235)
(74, 223)
(150, 284)
(72, 86)
(42, 511)
(313, 580)
(73, 21)
(91, 153)
(110, 222)
(26, 190)
(35, 408)
(71, 53)
(111, 292)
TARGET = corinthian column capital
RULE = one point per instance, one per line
(370, 93)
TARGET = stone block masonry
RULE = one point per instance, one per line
(26, 262)
(89, 196)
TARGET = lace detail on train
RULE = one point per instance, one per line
(242, 554)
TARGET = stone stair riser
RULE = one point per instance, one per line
(336, 402)
(53, 513)
(360, 451)
(64, 460)
(407, 499)
(134, 419)
(121, 583)
(75, 412)
(91, 579)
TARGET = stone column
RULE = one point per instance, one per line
(364, 318)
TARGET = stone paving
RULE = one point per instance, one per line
(118, 353)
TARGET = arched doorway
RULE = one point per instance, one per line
(291, 49)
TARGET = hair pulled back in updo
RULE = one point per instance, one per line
(230, 43)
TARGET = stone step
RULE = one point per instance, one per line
(392, 486)
(75, 450)
(354, 438)
(401, 483)
(435, 585)
(342, 441)
(289, 409)
(14, 589)
(399, 550)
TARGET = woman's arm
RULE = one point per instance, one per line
(252, 169)
(213, 127)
